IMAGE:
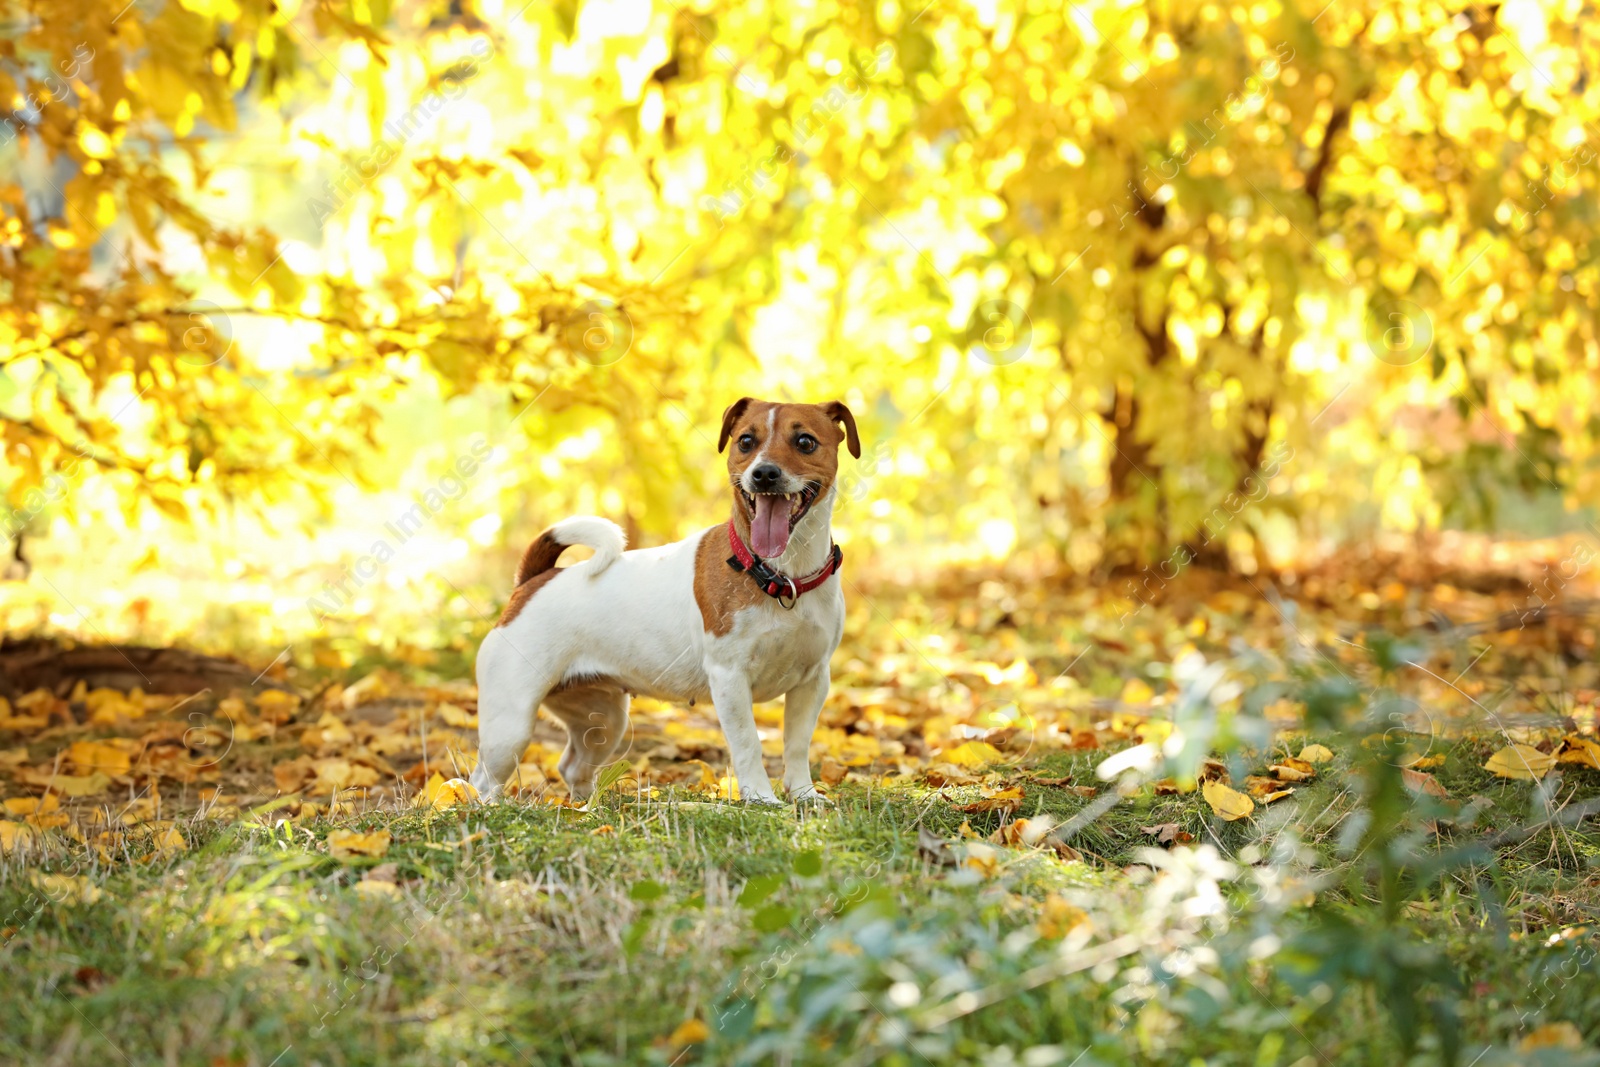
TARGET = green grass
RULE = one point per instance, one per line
(517, 934)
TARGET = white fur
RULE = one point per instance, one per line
(602, 535)
(632, 616)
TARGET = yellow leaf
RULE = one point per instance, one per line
(1551, 1035)
(32, 805)
(972, 754)
(1009, 799)
(1520, 761)
(1136, 691)
(1060, 917)
(603, 831)
(1581, 750)
(1293, 770)
(456, 716)
(1276, 795)
(1316, 754)
(440, 794)
(706, 782)
(70, 785)
(983, 859)
(14, 835)
(1228, 803)
(67, 888)
(91, 756)
(728, 787)
(343, 844)
(170, 840)
(690, 1032)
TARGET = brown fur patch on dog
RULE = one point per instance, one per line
(540, 557)
(538, 566)
(720, 591)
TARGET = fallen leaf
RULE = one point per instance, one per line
(972, 754)
(1008, 799)
(91, 979)
(168, 840)
(1276, 795)
(1228, 803)
(343, 844)
(1064, 851)
(831, 771)
(1213, 770)
(1293, 770)
(603, 831)
(1059, 917)
(457, 717)
(1551, 1035)
(1421, 782)
(440, 794)
(80, 784)
(1582, 751)
(690, 1032)
(374, 686)
(1053, 781)
(68, 888)
(1167, 787)
(292, 776)
(1000, 736)
(1083, 790)
(983, 859)
(1316, 754)
(380, 879)
(1521, 762)
(1168, 833)
(15, 835)
(92, 756)
(21, 806)
(940, 775)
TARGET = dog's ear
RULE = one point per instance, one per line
(730, 417)
(841, 414)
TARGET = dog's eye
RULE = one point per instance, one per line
(746, 442)
(806, 443)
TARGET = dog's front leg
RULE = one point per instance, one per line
(730, 693)
(801, 706)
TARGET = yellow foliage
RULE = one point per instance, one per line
(1520, 761)
(1230, 804)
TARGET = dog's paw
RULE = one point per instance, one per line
(762, 800)
(810, 798)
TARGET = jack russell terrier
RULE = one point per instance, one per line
(739, 613)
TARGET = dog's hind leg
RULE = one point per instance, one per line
(596, 718)
(510, 687)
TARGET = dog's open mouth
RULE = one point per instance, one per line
(773, 517)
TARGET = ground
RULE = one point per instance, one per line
(1038, 850)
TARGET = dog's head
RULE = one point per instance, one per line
(784, 459)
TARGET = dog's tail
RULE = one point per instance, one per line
(602, 535)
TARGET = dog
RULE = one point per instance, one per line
(742, 612)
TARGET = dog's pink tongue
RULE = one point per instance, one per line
(769, 530)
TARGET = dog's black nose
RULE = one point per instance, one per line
(766, 477)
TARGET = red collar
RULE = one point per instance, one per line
(780, 587)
